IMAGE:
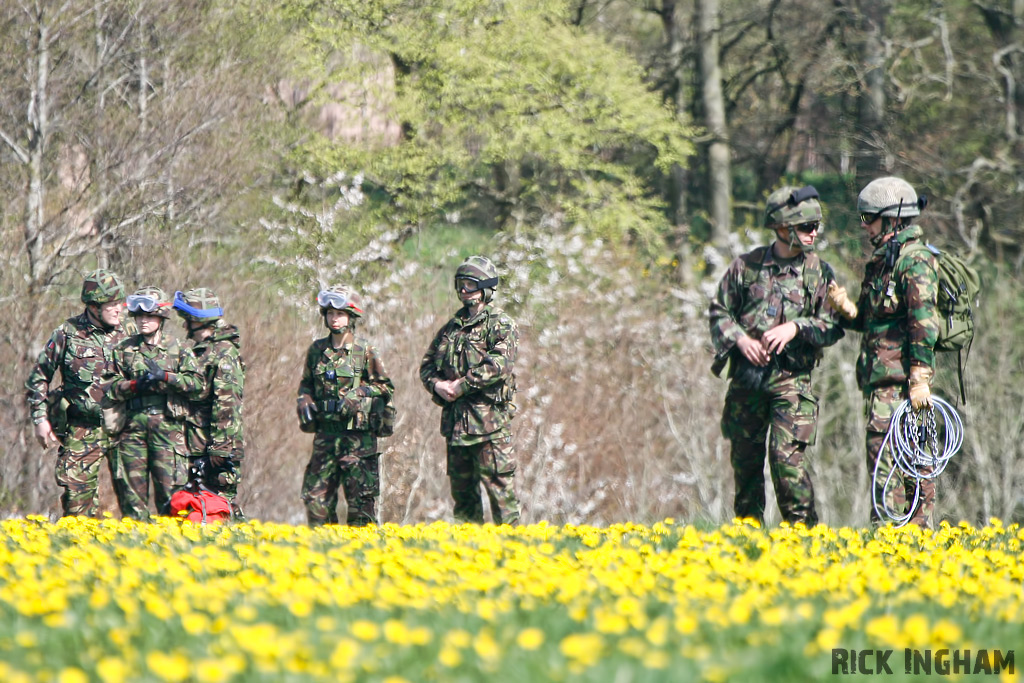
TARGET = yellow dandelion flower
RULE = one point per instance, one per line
(458, 638)
(112, 670)
(584, 648)
(212, 671)
(486, 646)
(72, 675)
(530, 638)
(945, 632)
(449, 656)
(344, 654)
(365, 630)
(171, 667)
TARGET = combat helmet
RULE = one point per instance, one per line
(102, 286)
(478, 272)
(149, 301)
(198, 305)
(789, 206)
(889, 196)
(341, 298)
(796, 209)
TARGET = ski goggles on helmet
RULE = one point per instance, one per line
(143, 303)
(472, 284)
(337, 300)
(181, 305)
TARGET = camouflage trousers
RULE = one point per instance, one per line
(348, 461)
(151, 446)
(786, 409)
(881, 404)
(82, 452)
(491, 464)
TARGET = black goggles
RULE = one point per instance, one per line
(143, 303)
(471, 284)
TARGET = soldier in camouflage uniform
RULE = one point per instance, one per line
(896, 313)
(468, 371)
(155, 379)
(81, 350)
(213, 429)
(769, 323)
(342, 378)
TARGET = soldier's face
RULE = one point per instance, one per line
(109, 313)
(466, 296)
(873, 229)
(336, 320)
(148, 324)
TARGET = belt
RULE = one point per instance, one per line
(149, 403)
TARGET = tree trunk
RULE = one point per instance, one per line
(870, 140)
(719, 152)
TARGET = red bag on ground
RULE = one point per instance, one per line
(200, 507)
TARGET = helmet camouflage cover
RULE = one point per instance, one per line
(789, 205)
(889, 196)
(163, 309)
(201, 300)
(102, 286)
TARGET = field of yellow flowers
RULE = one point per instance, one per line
(112, 601)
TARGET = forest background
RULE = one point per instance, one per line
(612, 156)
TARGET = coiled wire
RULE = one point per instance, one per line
(913, 441)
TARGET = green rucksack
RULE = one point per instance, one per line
(959, 288)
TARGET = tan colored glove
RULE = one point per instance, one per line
(841, 302)
(921, 387)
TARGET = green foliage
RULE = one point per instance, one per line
(506, 111)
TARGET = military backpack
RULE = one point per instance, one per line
(958, 292)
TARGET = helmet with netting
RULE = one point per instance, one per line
(890, 196)
(149, 300)
(341, 298)
(789, 206)
(102, 286)
(480, 272)
(199, 305)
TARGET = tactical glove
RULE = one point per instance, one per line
(155, 372)
(841, 302)
(306, 409)
(920, 387)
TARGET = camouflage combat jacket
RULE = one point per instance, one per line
(759, 291)
(331, 376)
(483, 349)
(897, 314)
(185, 382)
(217, 412)
(83, 354)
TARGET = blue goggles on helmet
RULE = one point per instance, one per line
(181, 305)
(336, 300)
(143, 303)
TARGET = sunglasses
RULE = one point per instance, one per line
(808, 228)
(143, 303)
(869, 218)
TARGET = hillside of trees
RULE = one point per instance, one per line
(612, 156)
